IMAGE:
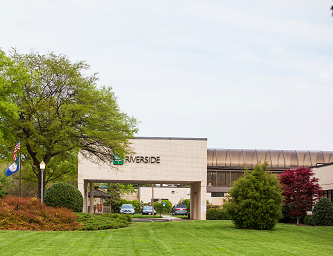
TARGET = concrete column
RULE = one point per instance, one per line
(91, 198)
(198, 201)
(85, 196)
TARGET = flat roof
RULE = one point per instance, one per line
(168, 138)
(276, 159)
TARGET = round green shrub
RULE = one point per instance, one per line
(322, 214)
(64, 195)
(256, 200)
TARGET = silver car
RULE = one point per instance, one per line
(148, 210)
(179, 209)
(127, 208)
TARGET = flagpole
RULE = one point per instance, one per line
(20, 170)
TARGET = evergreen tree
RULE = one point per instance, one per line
(256, 200)
(322, 214)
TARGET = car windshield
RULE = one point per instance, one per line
(181, 206)
(127, 206)
(147, 207)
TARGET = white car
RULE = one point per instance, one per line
(127, 208)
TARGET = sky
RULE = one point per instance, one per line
(252, 74)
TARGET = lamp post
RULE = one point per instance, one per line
(42, 168)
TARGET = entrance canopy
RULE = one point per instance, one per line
(155, 161)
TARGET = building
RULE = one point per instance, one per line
(208, 172)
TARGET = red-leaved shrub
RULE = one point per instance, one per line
(25, 213)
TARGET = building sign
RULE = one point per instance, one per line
(117, 160)
(136, 159)
(143, 159)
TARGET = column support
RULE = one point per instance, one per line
(91, 198)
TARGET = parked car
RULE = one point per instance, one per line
(179, 209)
(127, 208)
(148, 210)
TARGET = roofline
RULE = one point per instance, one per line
(168, 138)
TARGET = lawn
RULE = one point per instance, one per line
(172, 238)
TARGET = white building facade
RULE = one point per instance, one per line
(156, 161)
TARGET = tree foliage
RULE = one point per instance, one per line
(300, 190)
(4, 183)
(116, 190)
(59, 111)
(322, 214)
(256, 199)
(159, 208)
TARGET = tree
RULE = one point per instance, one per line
(300, 190)
(61, 111)
(256, 200)
(116, 190)
(160, 208)
(12, 77)
(322, 214)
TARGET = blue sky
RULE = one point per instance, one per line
(243, 74)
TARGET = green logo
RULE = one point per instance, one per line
(117, 160)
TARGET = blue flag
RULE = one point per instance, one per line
(12, 168)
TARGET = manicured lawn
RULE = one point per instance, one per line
(172, 238)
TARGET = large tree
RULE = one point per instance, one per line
(256, 200)
(12, 77)
(60, 110)
(300, 190)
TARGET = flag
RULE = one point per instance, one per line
(12, 168)
(17, 148)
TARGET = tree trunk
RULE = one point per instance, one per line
(297, 218)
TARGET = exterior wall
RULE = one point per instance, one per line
(325, 176)
(132, 196)
(182, 161)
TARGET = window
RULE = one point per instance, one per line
(217, 194)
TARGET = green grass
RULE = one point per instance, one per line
(172, 238)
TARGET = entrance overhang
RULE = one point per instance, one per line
(156, 161)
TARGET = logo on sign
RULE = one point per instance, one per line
(117, 160)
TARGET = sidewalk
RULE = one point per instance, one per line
(172, 218)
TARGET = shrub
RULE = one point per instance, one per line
(24, 213)
(217, 214)
(256, 200)
(64, 195)
(163, 209)
(307, 220)
(104, 221)
(322, 214)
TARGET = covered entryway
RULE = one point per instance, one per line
(156, 161)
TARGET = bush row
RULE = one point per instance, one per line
(24, 213)
(216, 214)
(104, 221)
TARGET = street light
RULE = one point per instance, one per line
(42, 168)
